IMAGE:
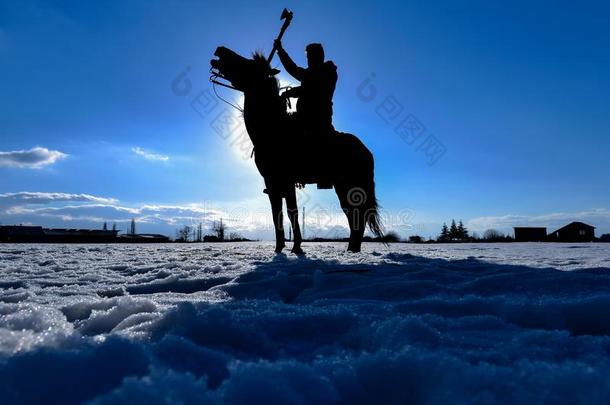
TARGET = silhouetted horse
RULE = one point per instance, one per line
(283, 159)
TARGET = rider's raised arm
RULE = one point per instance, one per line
(291, 67)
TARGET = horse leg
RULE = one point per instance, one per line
(353, 218)
(278, 220)
(293, 215)
(357, 229)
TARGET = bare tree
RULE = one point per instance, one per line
(132, 227)
(219, 230)
(416, 239)
(199, 232)
(390, 237)
(184, 234)
(235, 236)
(493, 234)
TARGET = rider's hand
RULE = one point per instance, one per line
(278, 44)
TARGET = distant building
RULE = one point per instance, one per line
(142, 238)
(530, 234)
(574, 232)
(35, 234)
(38, 234)
(10, 233)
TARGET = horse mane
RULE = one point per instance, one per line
(261, 59)
(258, 55)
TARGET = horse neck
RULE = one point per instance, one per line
(263, 114)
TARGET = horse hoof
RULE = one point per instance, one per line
(297, 251)
(278, 249)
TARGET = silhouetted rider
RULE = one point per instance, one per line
(315, 94)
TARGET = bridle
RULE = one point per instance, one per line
(214, 75)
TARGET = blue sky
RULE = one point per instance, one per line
(514, 93)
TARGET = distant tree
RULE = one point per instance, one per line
(199, 237)
(416, 239)
(444, 236)
(219, 230)
(105, 227)
(210, 238)
(184, 234)
(462, 231)
(114, 226)
(390, 237)
(132, 228)
(493, 235)
(235, 236)
(453, 231)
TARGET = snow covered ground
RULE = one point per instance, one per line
(234, 323)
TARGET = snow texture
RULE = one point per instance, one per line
(234, 323)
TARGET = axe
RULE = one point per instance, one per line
(287, 17)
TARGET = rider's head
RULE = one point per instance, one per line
(315, 54)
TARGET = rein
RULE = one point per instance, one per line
(213, 79)
(214, 76)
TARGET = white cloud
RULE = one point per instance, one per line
(84, 210)
(34, 158)
(29, 198)
(149, 155)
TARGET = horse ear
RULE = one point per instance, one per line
(273, 72)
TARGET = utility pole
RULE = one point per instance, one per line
(132, 231)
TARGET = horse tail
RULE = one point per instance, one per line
(373, 219)
(358, 183)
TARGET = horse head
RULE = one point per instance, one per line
(243, 73)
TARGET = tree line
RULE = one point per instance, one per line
(218, 234)
(454, 233)
(457, 232)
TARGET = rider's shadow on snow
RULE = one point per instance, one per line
(527, 296)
